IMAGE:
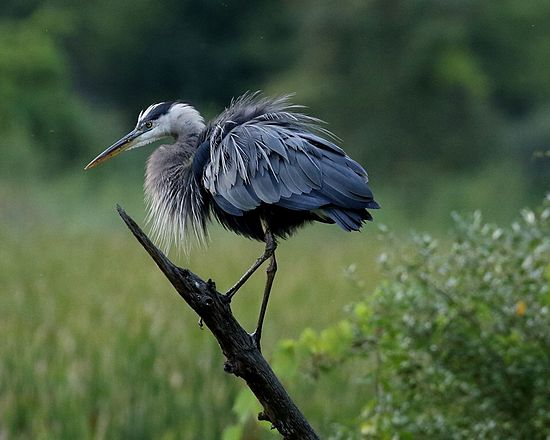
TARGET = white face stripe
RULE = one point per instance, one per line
(175, 119)
(144, 113)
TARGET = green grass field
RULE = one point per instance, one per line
(96, 344)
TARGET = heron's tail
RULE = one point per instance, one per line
(350, 219)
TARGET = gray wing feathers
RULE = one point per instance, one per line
(296, 178)
(273, 142)
(241, 197)
(310, 167)
(265, 187)
(276, 159)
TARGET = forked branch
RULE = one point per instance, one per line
(243, 359)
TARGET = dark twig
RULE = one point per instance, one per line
(243, 357)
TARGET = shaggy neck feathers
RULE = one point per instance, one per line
(172, 195)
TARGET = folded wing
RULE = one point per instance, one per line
(277, 158)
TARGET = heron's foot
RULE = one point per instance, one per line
(226, 297)
(231, 292)
(201, 323)
(256, 336)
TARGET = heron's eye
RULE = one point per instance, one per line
(148, 124)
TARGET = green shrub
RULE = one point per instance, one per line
(455, 343)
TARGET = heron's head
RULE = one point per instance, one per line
(158, 121)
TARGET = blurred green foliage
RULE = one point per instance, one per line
(95, 344)
(412, 87)
(447, 104)
(453, 344)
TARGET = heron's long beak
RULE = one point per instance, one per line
(118, 147)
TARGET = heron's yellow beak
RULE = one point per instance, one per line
(118, 147)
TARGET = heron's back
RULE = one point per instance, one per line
(260, 163)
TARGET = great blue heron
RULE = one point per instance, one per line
(261, 168)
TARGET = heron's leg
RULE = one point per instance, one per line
(271, 270)
(270, 246)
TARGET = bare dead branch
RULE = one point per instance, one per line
(243, 359)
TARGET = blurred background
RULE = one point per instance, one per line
(446, 103)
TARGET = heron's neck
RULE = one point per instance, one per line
(170, 158)
(172, 192)
(184, 123)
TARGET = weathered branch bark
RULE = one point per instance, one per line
(243, 357)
